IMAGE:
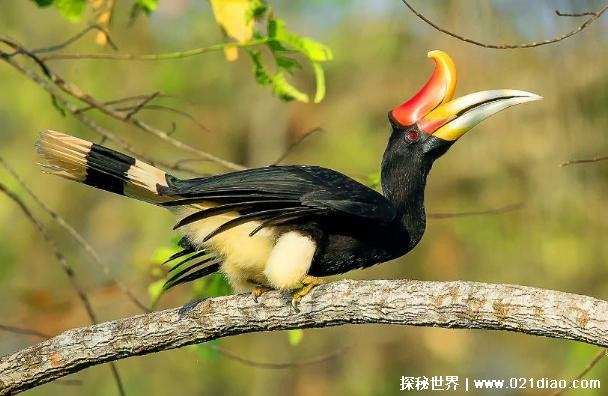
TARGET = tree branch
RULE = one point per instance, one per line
(593, 16)
(584, 161)
(457, 304)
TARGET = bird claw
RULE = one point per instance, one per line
(309, 282)
(258, 291)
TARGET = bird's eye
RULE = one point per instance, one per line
(413, 136)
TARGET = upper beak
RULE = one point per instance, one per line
(434, 112)
(453, 119)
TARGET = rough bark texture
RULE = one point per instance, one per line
(405, 302)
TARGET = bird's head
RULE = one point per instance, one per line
(431, 121)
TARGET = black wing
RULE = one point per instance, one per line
(280, 194)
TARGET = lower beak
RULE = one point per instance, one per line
(451, 120)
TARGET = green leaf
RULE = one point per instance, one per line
(259, 71)
(286, 63)
(312, 49)
(320, 81)
(217, 286)
(257, 9)
(278, 83)
(284, 90)
(207, 351)
(295, 336)
(71, 9)
(43, 3)
(162, 253)
(155, 290)
(147, 6)
(373, 180)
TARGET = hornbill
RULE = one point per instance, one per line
(284, 227)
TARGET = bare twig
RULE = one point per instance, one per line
(141, 104)
(456, 304)
(584, 161)
(296, 144)
(495, 211)
(170, 110)
(75, 92)
(281, 366)
(157, 57)
(574, 14)
(596, 359)
(75, 38)
(127, 99)
(76, 235)
(24, 331)
(103, 132)
(594, 15)
(61, 259)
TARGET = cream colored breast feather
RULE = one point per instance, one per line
(264, 259)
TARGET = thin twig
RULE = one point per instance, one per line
(126, 99)
(296, 144)
(103, 132)
(75, 38)
(156, 57)
(279, 366)
(75, 92)
(495, 211)
(170, 110)
(594, 16)
(76, 235)
(584, 161)
(596, 359)
(24, 331)
(574, 14)
(135, 109)
(69, 271)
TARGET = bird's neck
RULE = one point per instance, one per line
(403, 184)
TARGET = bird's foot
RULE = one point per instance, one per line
(258, 291)
(308, 282)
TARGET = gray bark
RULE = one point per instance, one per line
(404, 302)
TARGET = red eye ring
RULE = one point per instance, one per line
(413, 136)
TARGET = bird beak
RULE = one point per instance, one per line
(453, 119)
(434, 111)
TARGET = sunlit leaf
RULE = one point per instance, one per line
(284, 90)
(277, 81)
(147, 5)
(233, 17)
(103, 20)
(155, 290)
(295, 336)
(207, 351)
(373, 180)
(71, 9)
(320, 82)
(312, 49)
(163, 253)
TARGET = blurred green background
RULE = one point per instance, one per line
(557, 240)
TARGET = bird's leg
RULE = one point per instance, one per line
(308, 282)
(258, 290)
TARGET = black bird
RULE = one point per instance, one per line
(283, 227)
